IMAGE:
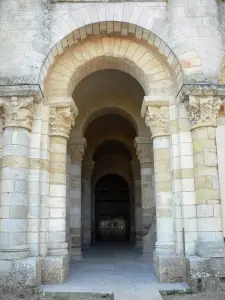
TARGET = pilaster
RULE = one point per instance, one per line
(144, 153)
(168, 266)
(61, 119)
(17, 114)
(17, 117)
(87, 207)
(76, 150)
(203, 104)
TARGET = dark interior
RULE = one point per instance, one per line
(112, 213)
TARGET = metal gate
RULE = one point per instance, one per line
(113, 228)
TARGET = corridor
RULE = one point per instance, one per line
(113, 268)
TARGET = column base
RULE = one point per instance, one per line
(210, 250)
(204, 273)
(139, 244)
(148, 243)
(55, 269)
(76, 254)
(169, 268)
(13, 252)
(23, 272)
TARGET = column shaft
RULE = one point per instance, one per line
(86, 213)
(57, 206)
(14, 193)
(164, 205)
(209, 222)
(75, 211)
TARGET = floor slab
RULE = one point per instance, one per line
(114, 268)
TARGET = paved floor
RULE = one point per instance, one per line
(114, 268)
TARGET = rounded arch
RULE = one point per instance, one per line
(128, 144)
(108, 145)
(146, 57)
(99, 53)
(111, 171)
(108, 110)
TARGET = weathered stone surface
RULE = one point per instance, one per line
(22, 272)
(169, 268)
(54, 269)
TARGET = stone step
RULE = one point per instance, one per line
(151, 295)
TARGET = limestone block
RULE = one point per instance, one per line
(200, 145)
(197, 270)
(20, 186)
(16, 225)
(161, 143)
(209, 224)
(18, 212)
(169, 268)
(210, 158)
(22, 272)
(205, 195)
(13, 199)
(199, 160)
(17, 238)
(15, 150)
(54, 269)
(56, 236)
(189, 211)
(187, 173)
(191, 224)
(186, 162)
(57, 190)
(185, 137)
(57, 212)
(188, 184)
(57, 224)
(186, 149)
(21, 137)
(204, 211)
(217, 210)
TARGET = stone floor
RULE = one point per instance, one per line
(114, 268)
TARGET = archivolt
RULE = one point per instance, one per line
(138, 58)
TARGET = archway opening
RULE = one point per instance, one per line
(112, 178)
(112, 209)
(109, 103)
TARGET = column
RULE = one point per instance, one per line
(144, 153)
(137, 203)
(168, 267)
(68, 179)
(61, 119)
(87, 204)
(17, 121)
(77, 152)
(203, 111)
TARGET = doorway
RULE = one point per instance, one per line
(112, 209)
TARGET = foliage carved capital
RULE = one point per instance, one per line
(157, 117)
(61, 117)
(18, 112)
(203, 111)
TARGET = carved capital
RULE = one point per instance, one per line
(203, 110)
(156, 117)
(135, 168)
(77, 152)
(143, 150)
(88, 170)
(18, 111)
(62, 117)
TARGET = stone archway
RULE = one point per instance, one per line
(159, 79)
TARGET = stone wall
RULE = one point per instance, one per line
(31, 30)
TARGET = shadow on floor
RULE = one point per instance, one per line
(113, 268)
